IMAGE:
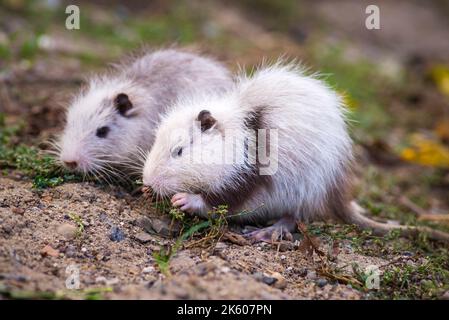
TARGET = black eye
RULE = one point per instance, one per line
(177, 152)
(102, 132)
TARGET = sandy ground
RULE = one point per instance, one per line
(31, 222)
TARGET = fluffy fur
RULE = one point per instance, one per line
(152, 82)
(314, 147)
(314, 154)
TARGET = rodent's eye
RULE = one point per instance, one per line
(102, 132)
(177, 152)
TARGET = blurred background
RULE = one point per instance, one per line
(394, 80)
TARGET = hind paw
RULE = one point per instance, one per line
(270, 234)
(278, 231)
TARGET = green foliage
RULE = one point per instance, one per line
(162, 257)
(29, 160)
(79, 222)
(211, 229)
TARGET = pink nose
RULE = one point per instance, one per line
(71, 164)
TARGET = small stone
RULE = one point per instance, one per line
(143, 237)
(105, 281)
(280, 283)
(66, 230)
(268, 280)
(18, 210)
(162, 226)
(49, 251)
(182, 262)
(302, 271)
(149, 269)
(311, 275)
(112, 282)
(116, 234)
(220, 246)
(83, 250)
(205, 268)
(70, 251)
(101, 280)
(225, 269)
(321, 282)
(283, 257)
(274, 279)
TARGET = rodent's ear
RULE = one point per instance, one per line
(122, 103)
(206, 120)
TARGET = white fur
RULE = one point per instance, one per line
(314, 146)
(152, 81)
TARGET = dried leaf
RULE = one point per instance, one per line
(440, 218)
(442, 130)
(311, 244)
(426, 151)
(235, 238)
(440, 76)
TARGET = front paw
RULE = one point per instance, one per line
(187, 202)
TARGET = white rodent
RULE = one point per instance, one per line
(112, 121)
(311, 179)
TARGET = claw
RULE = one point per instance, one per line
(278, 231)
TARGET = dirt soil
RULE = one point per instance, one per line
(32, 221)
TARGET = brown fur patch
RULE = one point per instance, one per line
(339, 196)
(249, 181)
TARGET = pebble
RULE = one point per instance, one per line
(66, 230)
(18, 210)
(105, 281)
(225, 269)
(160, 226)
(311, 275)
(112, 282)
(205, 268)
(101, 280)
(321, 282)
(49, 251)
(70, 251)
(148, 269)
(274, 279)
(116, 234)
(83, 250)
(143, 237)
(220, 246)
(280, 283)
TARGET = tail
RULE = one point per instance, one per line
(354, 216)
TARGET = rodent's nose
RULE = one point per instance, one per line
(71, 164)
